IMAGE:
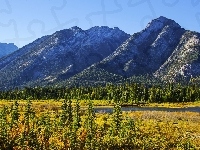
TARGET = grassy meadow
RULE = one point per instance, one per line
(73, 124)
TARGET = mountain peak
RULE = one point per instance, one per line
(71, 30)
(104, 28)
(162, 19)
(99, 28)
(75, 28)
(160, 23)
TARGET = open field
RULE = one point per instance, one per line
(61, 124)
(57, 103)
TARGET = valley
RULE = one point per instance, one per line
(102, 88)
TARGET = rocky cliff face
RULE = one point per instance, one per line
(184, 62)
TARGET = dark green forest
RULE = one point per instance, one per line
(124, 93)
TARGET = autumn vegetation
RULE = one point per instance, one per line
(48, 118)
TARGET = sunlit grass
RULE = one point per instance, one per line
(151, 129)
(105, 103)
(175, 105)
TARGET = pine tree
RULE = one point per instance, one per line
(91, 127)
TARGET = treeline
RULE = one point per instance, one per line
(126, 93)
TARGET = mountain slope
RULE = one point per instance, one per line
(91, 77)
(58, 56)
(184, 62)
(100, 55)
(6, 49)
(144, 52)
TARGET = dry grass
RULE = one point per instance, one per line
(175, 105)
(166, 116)
(153, 129)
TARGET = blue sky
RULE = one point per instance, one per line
(23, 21)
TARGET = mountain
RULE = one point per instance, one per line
(163, 51)
(184, 62)
(143, 53)
(6, 49)
(58, 56)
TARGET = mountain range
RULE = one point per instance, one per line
(103, 55)
(7, 48)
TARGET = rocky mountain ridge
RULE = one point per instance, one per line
(103, 55)
(144, 53)
(58, 56)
